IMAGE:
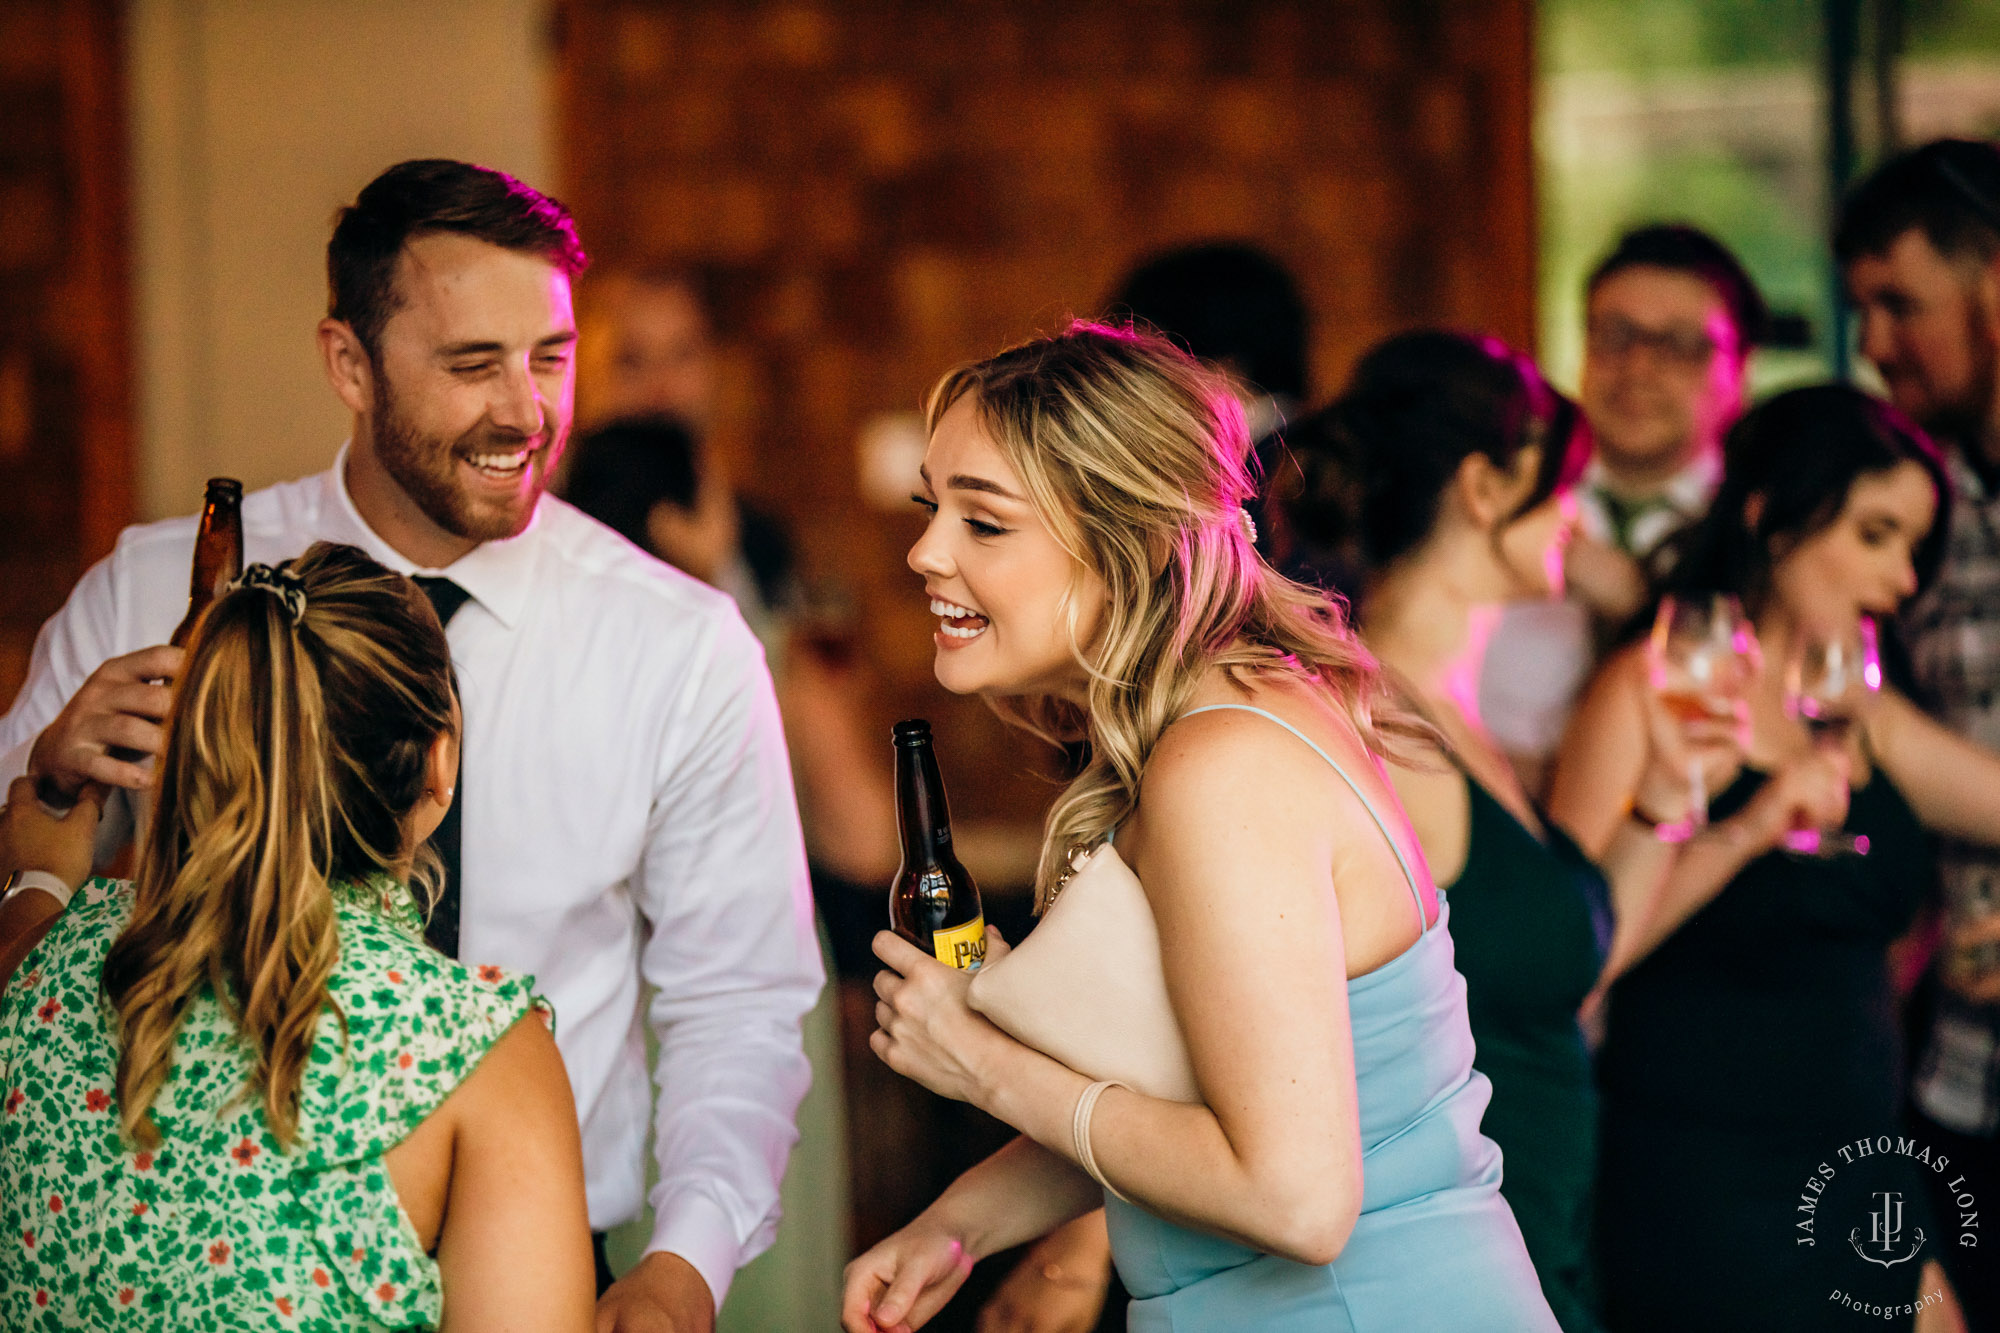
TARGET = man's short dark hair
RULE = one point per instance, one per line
(1690, 250)
(426, 195)
(1225, 302)
(1949, 188)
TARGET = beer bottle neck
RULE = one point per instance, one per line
(922, 817)
(218, 545)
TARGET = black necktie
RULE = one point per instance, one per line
(442, 932)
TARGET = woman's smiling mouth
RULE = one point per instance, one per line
(959, 623)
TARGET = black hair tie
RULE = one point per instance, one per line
(281, 583)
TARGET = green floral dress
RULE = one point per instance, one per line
(220, 1228)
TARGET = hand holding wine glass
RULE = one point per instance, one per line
(1829, 678)
(1701, 659)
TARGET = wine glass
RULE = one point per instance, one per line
(1828, 677)
(1701, 658)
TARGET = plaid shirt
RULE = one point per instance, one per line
(1953, 633)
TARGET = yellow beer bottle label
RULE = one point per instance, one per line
(963, 947)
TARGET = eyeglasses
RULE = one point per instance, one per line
(1611, 336)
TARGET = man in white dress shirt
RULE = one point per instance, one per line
(627, 811)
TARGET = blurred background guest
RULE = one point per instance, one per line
(1670, 318)
(646, 349)
(1920, 244)
(1239, 310)
(1236, 307)
(1759, 1036)
(1453, 464)
(1670, 321)
(1455, 469)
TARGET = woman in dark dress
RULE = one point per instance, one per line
(1446, 466)
(1753, 1051)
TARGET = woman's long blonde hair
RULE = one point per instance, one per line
(1137, 458)
(295, 747)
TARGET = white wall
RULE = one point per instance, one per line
(252, 121)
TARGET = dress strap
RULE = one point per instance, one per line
(1409, 876)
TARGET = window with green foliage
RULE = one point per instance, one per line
(1714, 112)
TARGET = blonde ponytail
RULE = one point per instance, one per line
(295, 745)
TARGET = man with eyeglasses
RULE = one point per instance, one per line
(1919, 244)
(1670, 319)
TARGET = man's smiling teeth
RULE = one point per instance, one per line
(500, 464)
(951, 613)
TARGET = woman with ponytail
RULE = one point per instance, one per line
(240, 1091)
(1445, 469)
(1305, 1154)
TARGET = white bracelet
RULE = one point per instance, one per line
(1079, 1128)
(54, 885)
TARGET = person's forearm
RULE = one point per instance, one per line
(24, 918)
(1081, 1245)
(1656, 886)
(727, 1112)
(1172, 1156)
(1019, 1194)
(1636, 867)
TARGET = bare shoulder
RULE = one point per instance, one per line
(1231, 764)
(1230, 798)
(1229, 741)
(519, 1075)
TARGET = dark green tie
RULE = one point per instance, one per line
(442, 932)
(1625, 514)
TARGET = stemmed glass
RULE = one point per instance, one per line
(1701, 657)
(1827, 680)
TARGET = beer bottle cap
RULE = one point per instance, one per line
(224, 486)
(916, 731)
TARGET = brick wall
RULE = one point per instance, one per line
(886, 187)
(65, 429)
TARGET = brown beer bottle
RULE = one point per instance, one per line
(218, 559)
(933, 902)
(218, 551)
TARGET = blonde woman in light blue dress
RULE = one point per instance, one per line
(1093, 574)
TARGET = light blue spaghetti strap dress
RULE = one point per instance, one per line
(1436, 1247)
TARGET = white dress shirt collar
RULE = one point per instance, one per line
(1688, 490)
(498, 574)
(1684, 497)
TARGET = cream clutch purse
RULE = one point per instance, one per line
(1086, 986)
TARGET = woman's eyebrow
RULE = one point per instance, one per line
(960, 481)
